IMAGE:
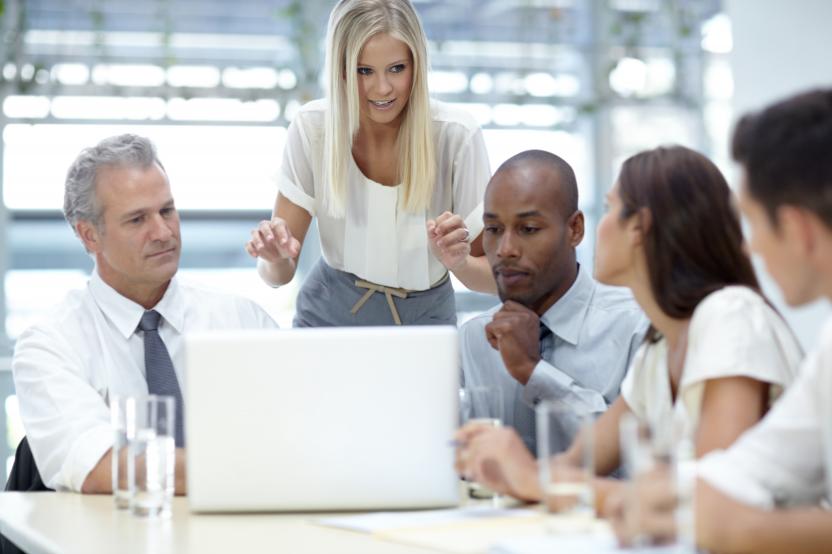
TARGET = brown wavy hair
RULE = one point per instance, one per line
(694, 243)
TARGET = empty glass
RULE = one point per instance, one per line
(121, 481)
(658, 455)
(481, 404)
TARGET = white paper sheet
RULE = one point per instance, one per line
(598, 543)
(381, 522)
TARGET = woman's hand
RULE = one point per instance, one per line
(497, 458)
(643, 510)
(273, 241)
(448, 237)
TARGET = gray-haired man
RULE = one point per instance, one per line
(123, 333)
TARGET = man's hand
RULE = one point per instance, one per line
(99, 479)
(497, 458)
(448, 238)
(515, 332)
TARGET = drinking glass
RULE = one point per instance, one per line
(567, 489)
(481, 405)
(151, 453)
(121, 480)
(654, 455)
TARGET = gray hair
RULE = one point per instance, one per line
(79, 188)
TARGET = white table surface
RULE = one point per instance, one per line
(69, 523)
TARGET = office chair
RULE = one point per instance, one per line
(24, 477)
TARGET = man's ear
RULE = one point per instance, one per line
(797, 228)
(89, 235)
(576, 224)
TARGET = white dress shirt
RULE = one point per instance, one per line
(733, 333)
(377, 239)
(787, 458)
(596, 330)
(67, 367)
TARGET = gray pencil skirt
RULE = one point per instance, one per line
(328, 296)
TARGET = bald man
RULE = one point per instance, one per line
(558, 335)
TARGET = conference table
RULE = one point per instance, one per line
(69, 523)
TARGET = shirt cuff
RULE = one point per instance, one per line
(295, 195)
(546, 383)
(85, 454)
(729, 478)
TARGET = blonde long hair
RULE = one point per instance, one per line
(351, 24)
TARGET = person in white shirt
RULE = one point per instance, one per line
(395, 180)
(762, 494)
(716, 355)
(68, 367)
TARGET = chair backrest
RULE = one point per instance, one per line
(25, 476)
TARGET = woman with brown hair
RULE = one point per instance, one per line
(717, 354)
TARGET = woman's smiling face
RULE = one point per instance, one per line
(385, 79)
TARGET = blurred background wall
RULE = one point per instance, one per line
(781, 48)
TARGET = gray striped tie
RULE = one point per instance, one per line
(545, 333)
(161, 377)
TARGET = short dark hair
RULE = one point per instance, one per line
(786, 150)
(566, 176)
(694, 244)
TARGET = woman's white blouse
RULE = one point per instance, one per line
(785, 460)
(733, 333)
(377, 239)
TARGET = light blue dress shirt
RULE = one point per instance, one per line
(596, 330)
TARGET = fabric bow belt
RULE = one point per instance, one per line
(389, 293)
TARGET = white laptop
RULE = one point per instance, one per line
(350, 418)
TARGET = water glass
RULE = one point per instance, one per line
(658, 455)
(567, 489)
(481, 405)
(151, 453)
(641, 454)
(121, 481)
(643, 447)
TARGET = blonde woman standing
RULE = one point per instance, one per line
(395, 179)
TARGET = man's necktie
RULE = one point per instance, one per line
(545, 333)
(161, 377)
